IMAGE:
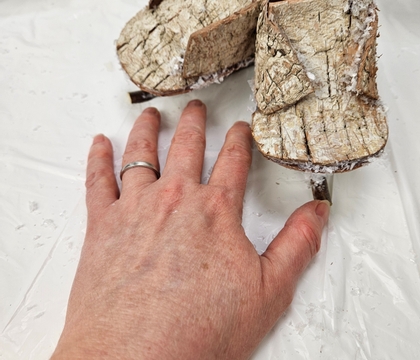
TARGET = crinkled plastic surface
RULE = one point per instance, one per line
(61, 83)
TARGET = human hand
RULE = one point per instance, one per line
(166, 270)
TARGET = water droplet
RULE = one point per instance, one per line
(39, 315)
(33, 206)
(356, 292)
(49, 223)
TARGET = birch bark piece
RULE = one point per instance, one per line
(340, 126)
(222, 44)
(173, 47)
(280, 79)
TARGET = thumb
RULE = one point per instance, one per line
(297, 243)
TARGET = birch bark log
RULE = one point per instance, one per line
(341, 124)
(315, 70)
(175, 46)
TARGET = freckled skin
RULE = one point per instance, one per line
(166, 270)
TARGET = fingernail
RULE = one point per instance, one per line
(195, 102)
(323, 210)
(151, 111)
(98, 139)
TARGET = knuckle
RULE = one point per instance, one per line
(190, 136)
(143, 146)
(90, 180)
(220, 200)
(172, 193)
(222, 197)
(236, 151)
(99, 152)
(98, 176)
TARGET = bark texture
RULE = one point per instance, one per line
(222, 44)
(175, 46)
(339, 126)
(280, 79)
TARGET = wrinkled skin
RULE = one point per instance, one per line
(166, 270)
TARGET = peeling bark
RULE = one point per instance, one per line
(366, 75)
(341, 125)
(153, 44)
(280, 79)
(222, 44)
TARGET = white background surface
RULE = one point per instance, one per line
(61, 83)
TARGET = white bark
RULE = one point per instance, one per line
(222, 44)
(280, 79)
(341, 125)
(153, 44)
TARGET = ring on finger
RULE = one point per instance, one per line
(143, 164)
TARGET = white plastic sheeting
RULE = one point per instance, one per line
(61, 83)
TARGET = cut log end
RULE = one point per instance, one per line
(138, 97)
(153, 4)
(320, 190)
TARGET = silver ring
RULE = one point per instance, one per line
(139, 164)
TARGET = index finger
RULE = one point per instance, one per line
(232, 165)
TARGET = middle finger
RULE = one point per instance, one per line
(186, 154)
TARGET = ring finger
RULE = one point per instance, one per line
(142, 146)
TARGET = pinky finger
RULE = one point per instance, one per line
(101, 185)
